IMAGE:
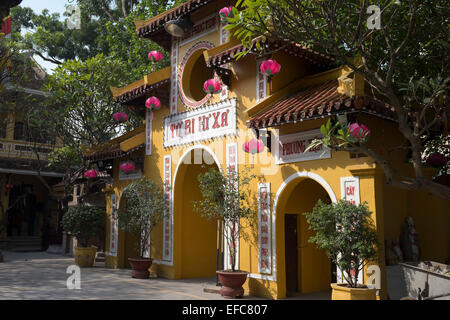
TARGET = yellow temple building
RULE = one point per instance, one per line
(195, 131)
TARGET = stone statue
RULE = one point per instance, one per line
(409, 240)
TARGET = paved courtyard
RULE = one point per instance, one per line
(41, 275)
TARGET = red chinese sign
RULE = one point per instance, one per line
(167, 223)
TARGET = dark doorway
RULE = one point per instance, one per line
(290, 232)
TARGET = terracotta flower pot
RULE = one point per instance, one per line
(84, 257)
(342, 292)
(232, 283)
(140, 267)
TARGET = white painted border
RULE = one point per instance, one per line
(168, 171)
(148, 132)
(201, 136)
(303, 174)
(216, 160)
(302, 156)
(226, 254)
(112, 228)
(260, 269)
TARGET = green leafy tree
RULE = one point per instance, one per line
(401, 59)
(145, 208)
(226, 198)
(84, 222)
(346, 233)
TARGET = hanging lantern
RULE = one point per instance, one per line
(153, 103)
(127, 167)
(436, 160)
(212, 86)
(90, 174)
(358, 133)
(226, 12)
(270, 68)
(253, 146)
(155, 56)
(120, 116)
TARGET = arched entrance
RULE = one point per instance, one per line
(198, 236)
(306, 269)
(127, 240)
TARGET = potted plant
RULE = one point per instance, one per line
(145, 208)
(84, 222)
(224, 199)
(347, 235)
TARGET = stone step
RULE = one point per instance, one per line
(100, 259)
(25, 249)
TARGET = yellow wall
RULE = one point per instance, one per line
(388, 207)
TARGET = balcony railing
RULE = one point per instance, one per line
(24, 150)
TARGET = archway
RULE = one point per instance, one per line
(198, 235)
(127, 240)
(304, 267)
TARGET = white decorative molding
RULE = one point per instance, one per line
(232, 165)
(350, 189)
(114, 229)
(168, 217)
(174, 76)
(350, 192)
(290, 148)
(148, 132)
(212, 121)
(261, 82)
(264, 229)
(297, 175)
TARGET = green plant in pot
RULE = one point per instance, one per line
(225, 198)
(346, 233)
(145, 208)
(84, 222)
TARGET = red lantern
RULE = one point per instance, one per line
(436, 160)
(90, 174)
(359, 133)
(253, 146)
(120, 116)
(270, 68)
(212, 86)
(155, 56)
(8, 188)
(127, 167)
(153, 103)
(226, 12)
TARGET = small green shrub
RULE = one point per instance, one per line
(347, 235)
(83, 222)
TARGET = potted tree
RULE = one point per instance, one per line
(145, 208)
(84, 222)
(224, 199)
(347, 235)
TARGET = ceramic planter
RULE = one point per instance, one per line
(232, 283)
(341, 292)
(140, 267)
(84, 257)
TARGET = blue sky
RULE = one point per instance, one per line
(57, 6)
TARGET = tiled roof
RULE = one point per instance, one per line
(272, 45)
(150, 28)
(141, 91)
(111, 152)
(316, 102)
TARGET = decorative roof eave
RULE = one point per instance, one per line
(318, 102)
(114, 152)
(225, 53)
(148, 28)
(113, 144)
(137, 89)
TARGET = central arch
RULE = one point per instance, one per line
(195, 236)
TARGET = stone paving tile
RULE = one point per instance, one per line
(42, 276)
